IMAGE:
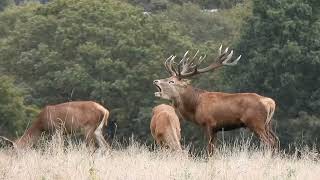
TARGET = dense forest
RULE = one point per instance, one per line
(110, 51)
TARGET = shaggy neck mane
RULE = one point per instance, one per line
(187, 102)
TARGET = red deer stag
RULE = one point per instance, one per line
(165, 127)
(215, 111)
(86, 115)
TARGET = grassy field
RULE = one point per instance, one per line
(55, 161)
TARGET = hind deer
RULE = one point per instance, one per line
(165, 127)
(215, 111)
(87, 115)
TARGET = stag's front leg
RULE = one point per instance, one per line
(211, 135)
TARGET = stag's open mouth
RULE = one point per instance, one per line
(158, 87)
(157, 94)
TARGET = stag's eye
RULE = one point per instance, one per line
(171, 82)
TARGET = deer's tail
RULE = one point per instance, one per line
(269, 105)
(270, 108)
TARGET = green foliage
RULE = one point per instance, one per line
(208, 31)
(14, 114)
(154, 5)
(305, 127)
(285, 61)
(223, 4)
(203, 27)
(281, 51)
(4, 4)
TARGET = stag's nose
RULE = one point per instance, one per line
(156, 81)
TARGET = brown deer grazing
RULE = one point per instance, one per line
(215, 111)
(68, 117)
(165, 127)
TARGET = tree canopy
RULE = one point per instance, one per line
(281, 51)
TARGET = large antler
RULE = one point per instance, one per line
(168, 65)
(190, 67)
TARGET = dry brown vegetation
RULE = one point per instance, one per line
(55, 161)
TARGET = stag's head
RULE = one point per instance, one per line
(170, 88)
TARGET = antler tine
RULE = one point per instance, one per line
(184, 59)
(195, 55)
(168, 69)
(222, 60)
(195, 66)
(172, 67)
(226, 50)
(201, 59)
(184, 62)
(188, 64)
(222, 56)
(193, 58)
(185, 54)
(166, 61)
(225, 62)
(235, 62)
(188, 67)
(165, 64)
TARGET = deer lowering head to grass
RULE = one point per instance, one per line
(165, 127)
(88, 116)
(215, 111)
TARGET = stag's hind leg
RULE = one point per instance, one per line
(262, 134)
(89, 136)
(99, 136)
(273, 138)
(257, 126)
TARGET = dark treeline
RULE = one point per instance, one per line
(110, 51)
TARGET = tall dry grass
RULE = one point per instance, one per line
(55, 161)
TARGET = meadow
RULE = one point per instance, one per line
(54, 160)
